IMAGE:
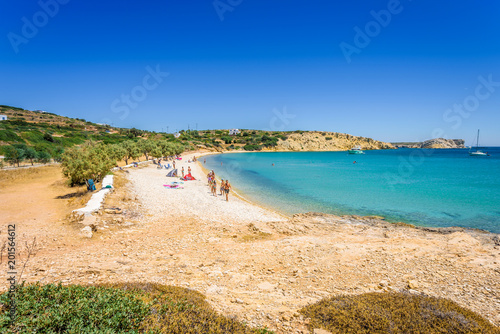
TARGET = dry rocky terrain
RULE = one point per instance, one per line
(253, 264)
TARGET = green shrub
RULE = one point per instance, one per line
(254, 147)
(394, 313)
(48, 137)
(10, 136)
(227, 139)
(91, 161)
(328, 138)
(73, 309)
(119, 308)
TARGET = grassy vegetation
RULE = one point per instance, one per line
(394, 313)
(123, 308)
(52, 133)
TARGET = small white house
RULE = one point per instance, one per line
(3, 117)
(234, 132)
(177, 135)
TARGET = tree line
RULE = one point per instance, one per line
(15, 154)
(94, 160)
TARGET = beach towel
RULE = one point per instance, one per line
(189, 177)
(173, 186)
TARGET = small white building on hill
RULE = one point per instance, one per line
(3, 117)
(234, 132)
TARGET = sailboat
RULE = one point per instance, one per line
(477, 152)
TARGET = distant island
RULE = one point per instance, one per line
(432, 143)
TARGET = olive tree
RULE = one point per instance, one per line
(132, 150)
(14, 155)
(89, 161)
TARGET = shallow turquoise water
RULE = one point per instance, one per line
(425, 187)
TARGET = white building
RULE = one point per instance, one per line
(3, 117)
(234, 132)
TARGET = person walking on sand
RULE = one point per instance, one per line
(214, 187)
(222, 185)
(227, 188)
(189, 169)
(182, 171)
(173, 163)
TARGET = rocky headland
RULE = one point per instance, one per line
(433, 143)
(327, 141)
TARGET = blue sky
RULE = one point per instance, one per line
(420, 70)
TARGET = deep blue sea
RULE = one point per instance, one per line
(441, 187)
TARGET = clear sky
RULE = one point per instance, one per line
(391, 70)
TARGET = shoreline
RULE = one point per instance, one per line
(382, 218)
(266, 268)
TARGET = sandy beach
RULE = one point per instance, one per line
(254, 264)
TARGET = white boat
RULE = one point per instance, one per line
(477, 152)
(356, 150)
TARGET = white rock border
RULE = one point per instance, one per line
(95, 202)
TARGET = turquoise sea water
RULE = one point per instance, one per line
(425, 187)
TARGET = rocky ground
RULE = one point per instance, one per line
(256, 265)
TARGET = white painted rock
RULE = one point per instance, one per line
(87, 232)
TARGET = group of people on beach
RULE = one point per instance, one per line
(189, 170)
(225, 186)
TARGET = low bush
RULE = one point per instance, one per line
(254, 147)
(10, 136)
(394, 313)
(119, 308)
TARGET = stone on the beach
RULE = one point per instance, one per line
(321, 331)
(265, 286)
(89, 220)
(87, 232)
(412, 284)
(214, 290)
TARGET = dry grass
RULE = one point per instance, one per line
(9, 176)
(394, 313)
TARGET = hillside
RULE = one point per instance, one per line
(328, 141)
(52, 133)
